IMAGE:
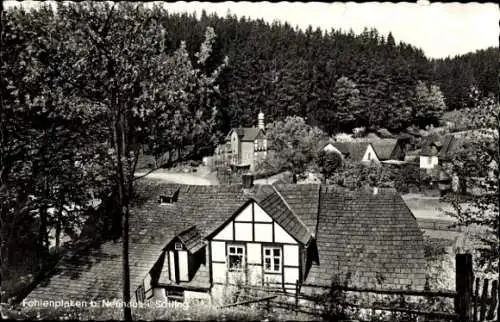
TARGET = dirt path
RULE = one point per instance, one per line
(203, 176)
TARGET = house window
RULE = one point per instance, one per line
(272, 259)
(369, 156)
(178, 246)
(429, 160)
(236, 257)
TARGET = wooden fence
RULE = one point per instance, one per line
(472, 303)
(485, 301)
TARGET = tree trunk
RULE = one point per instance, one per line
(119, 138)
(126, 270)
(58, 229)
(42, 239)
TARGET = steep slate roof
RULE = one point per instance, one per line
(353, 150)
(245, 133)
(384, 148)
(446, 146)
(356, 232)
(367, 239)
(284, 215)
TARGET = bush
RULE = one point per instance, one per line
(173, 312)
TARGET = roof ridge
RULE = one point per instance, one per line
(292, 211)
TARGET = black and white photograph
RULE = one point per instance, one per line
(249, 161)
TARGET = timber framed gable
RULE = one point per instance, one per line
(252, 238)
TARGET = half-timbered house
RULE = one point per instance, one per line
(191, 242)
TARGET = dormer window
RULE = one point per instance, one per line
(169, 196)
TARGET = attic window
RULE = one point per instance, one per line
(178, 246)
(169, 197)
(166, 199)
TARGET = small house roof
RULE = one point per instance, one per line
(445, 147)
(384, 148)
(353, 150)
(323, 143)
(192, 239)
(245, 133)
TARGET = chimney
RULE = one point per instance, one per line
(375, 190)
(247, 180)
(260, 123)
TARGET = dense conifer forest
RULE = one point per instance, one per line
(282, 70)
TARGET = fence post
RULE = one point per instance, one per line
(464, 277)
(297, 289)
(268, 302)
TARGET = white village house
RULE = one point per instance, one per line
(368, 150)
(192, 242)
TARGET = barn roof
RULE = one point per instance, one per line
(354, 231)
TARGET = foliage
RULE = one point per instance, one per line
(85, 90)
(355, 175)
(328, 162)
(170, 312)
(429, 104)
(49, 153)
(287, 71)
(293, 143)
(456, 75)
(345, 109)
(476, 166)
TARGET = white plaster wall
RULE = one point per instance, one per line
(291, 274)
(371, 152)
(172, 264)
(264, 232)
(254, 253)
(183, 265)
(428, 162)
(281, 236)
(226, 233)
(245, 214)
(219, 272)
(243, 231)
(260, 214)
(218, 249)
(291, 255)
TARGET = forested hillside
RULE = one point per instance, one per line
(283, 70)
(456, 75)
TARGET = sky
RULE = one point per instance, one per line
(439, 29)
